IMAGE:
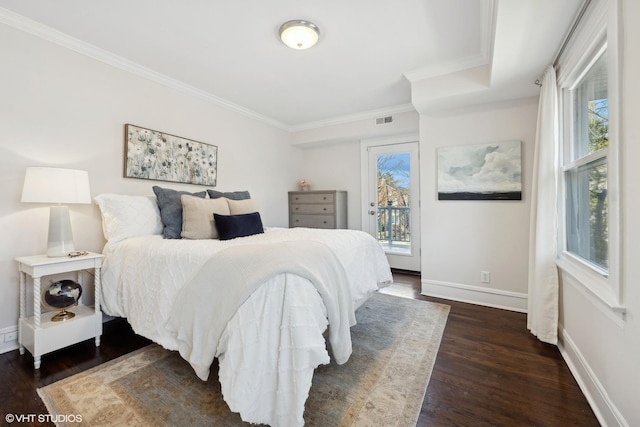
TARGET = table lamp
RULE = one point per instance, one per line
(60, 187)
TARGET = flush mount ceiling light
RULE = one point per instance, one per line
(299, 34)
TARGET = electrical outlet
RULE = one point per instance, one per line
(10, 336)
(485, 277)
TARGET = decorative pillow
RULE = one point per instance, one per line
(128, 216)
(171, 210)
(233, 195)
(197, 216)
(232, 226)
(237, 207)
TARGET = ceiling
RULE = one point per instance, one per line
(369, 55)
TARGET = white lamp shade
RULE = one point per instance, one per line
(299, 34)
(56, 185)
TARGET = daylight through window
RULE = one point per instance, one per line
(585, 166)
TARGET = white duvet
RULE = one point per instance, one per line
(269, 348)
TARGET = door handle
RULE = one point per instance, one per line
(372, 212)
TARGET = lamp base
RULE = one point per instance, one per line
(60, 242)
(63, 315)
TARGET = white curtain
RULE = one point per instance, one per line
(542, 318)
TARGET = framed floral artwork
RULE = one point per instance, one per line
(150, 154)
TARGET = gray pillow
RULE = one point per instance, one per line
(171, 210)
(233, 195)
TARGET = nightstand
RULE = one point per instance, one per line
(39, 334)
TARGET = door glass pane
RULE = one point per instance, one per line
(394, 203)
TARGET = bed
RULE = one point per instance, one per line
(265, 305)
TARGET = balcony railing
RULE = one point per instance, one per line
(394, 224)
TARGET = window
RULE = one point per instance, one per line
(589, 203)
(585, 166)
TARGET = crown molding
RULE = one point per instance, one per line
(54, 36)
(49, 34)
(488, 29)
(448, 67)
(484, 57)
(350, 118)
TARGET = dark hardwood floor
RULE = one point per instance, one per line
(489, 371)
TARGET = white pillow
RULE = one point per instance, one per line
(197, 216)
(128, 216)
(237, 207)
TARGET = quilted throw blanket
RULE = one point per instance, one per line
(207, 303)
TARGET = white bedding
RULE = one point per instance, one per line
(272, 344)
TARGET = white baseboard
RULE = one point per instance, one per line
(596, 395)
(478, 295)
(8, 339)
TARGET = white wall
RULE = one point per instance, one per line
(459, 239)
(337, 167)
(462, 238)
(63, 109)
(404, 122)
(603, 349)
(332, 155)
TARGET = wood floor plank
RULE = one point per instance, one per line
(489, 371)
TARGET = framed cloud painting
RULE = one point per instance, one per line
(150, 154)
(480, 172)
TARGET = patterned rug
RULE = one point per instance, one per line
(384, 382)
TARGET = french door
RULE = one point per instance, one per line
(392, 210)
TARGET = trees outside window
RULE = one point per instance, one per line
(585, 166)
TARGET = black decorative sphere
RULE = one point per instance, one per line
(62, 294)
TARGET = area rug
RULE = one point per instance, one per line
(395, 344)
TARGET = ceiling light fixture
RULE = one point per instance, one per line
(299, 34)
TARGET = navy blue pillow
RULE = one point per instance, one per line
(232, 226)
(170, 206)
(233, 195)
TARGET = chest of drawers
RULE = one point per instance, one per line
(318, 209)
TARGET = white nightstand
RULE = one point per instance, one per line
(39, 334)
